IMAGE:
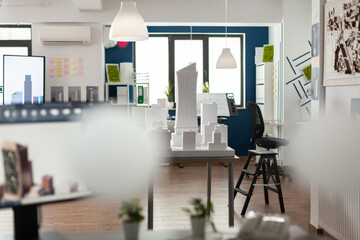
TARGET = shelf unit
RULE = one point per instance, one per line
(127, 93)
(265, 89)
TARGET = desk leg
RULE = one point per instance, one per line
(26, 222)
(151, 204)
(208, 182)
(231, 194)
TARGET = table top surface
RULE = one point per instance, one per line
(228, 233)
(46, 199)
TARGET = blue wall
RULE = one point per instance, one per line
(240, 128)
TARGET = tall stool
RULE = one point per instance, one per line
(267, 165)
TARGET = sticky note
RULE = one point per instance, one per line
(80, 60)
(66, 66)
(59, 73)
(66, 72)
(73, 72)
(51, 60)
(51, 73)
(80, 73)
(72, 66)
(73, 60)
(51, 67)
(58, 66)
(66, 60)
(58, 60)
(81, 66)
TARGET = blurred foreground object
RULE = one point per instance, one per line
(17, 171)
(258, 226)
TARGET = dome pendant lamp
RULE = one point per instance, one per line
(128, 25)
(226, 59)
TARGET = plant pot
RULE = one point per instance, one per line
(171, 105)
(131, 230)
(198, 226)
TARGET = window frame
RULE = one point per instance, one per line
(16, 43)
(205, 38)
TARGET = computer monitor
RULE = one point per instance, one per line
(24, 80)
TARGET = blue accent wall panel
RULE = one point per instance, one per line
(240, 128)
(118, 55)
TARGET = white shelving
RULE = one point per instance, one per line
(265, 89)
(127, 93)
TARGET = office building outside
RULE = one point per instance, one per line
(28, 90)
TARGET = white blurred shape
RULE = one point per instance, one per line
(326, 151)
(113, 156)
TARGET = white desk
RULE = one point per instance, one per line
(26, 213)
(201, 160)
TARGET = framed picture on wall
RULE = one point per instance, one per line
(112, 72)
(342, 43)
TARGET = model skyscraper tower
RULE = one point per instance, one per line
(27, 90)
(185, 97)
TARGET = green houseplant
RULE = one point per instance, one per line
(198, 215)
(131, 211)
(169, 95)
(206, 87)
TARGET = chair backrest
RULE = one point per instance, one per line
(257, 121)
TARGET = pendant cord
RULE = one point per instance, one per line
(226, 24)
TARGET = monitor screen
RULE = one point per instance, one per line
(24, 78)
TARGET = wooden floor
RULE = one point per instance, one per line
(173, 188)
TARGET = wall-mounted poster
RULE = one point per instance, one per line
(92, 94)
(112, 72)
(57, 94)
(74, 94)
(342, 43)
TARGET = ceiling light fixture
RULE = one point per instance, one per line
(128, 25)
(226, 59)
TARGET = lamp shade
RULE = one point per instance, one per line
(128, 25)
(226, 60)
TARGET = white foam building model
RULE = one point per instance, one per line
(156, 125)
(186, 115)
(214, 135)
(186, 136)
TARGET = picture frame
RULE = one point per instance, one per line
(341, 43)
(112, 72)
(18, 176)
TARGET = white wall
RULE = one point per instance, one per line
(202, 11)
(93, 61)
(297, 33)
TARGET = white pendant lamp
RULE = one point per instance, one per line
(226, 59)
(128, 25)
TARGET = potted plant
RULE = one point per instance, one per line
(198, 215)
(131, 211)
(169, 96)
(206, 87)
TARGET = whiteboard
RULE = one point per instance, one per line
(219, 98)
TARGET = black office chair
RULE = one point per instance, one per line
(267, 165)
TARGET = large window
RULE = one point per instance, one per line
(164, 54)
(14, 40)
